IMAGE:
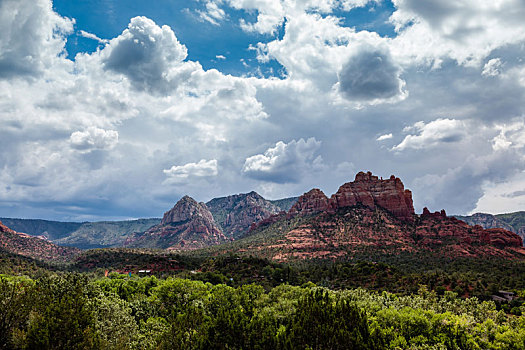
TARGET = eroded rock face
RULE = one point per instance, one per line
(367, 190)
(313, 201)
(188, 225)
(237, 213)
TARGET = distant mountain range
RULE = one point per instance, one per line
(233, 214)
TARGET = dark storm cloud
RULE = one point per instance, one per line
(369, 75)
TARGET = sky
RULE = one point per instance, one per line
(115, 109)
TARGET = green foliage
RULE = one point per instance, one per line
(71, 311)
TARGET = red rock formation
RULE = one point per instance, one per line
(370, 191)
(312, 202)
(188, 225)
(437, 226)
(367, 190)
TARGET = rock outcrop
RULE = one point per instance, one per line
(367, 190)
(237, 213)
(188, 225)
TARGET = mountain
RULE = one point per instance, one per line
(51, 230)
(514, 222)
(104, 234)
(26, 245)
(370, 217)
(235, 214)
(84, 235)
(188, 225)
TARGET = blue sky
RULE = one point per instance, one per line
(205, 41)
(116, 109)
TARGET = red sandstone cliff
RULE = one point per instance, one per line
(367, 190)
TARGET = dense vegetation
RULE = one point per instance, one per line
(71, 311)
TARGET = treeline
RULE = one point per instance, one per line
(71, 311)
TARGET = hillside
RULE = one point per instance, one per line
(105, 234)
(51, 230)
(26, 245)
(285, 203)
(85, 235)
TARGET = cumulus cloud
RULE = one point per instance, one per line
(465, 30)
(384, 137)
(492, 68)
(371, 76)
(31, 37)
(180, 173)
(286, 162)
(94, 138)
(149, 55)
(433, 133)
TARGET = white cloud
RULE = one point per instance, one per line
(510, 135)
(94, 138)
(92, 36)
(220, 57)
(492, 68)
(204, 168)
(384, 137)
(150, 56)
(284, 162)
(31, 37)
(465, 30)
(433, 133)
(213, 13)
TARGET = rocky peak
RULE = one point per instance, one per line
(186, 209)
(236, 213)
(188, 225)
(371, 191)
(311, 202)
